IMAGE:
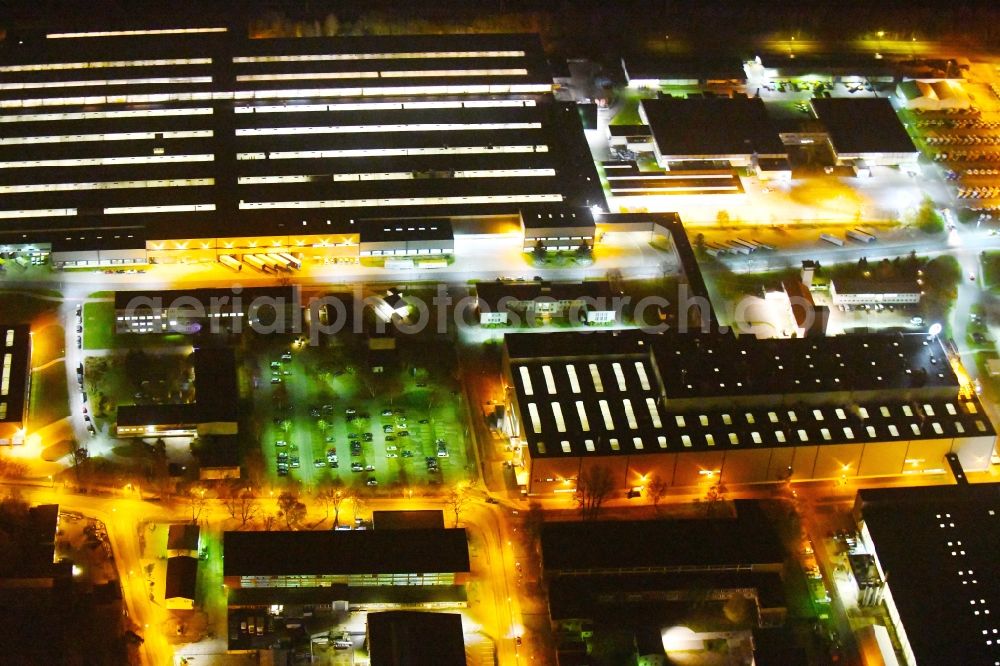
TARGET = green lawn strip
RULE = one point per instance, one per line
(49, 400)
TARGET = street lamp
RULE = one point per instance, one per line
(934, 330)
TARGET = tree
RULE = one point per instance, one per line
(195, 499)
(333, 495)
(656, 490)
(456, 499)
(240, 501)
(539, 251)
(593, 486)
(714, 495)
(928, 219)
(291, 509)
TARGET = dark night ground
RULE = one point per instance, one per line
(603, 29)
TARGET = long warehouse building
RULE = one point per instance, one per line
(184, 145)
(712, 407)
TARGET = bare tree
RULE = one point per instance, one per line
(194, 497)
(333, 495)
(246, 506)
(593, 486)
(456, 499)
(268, 522)
(656, 490)
(291, 508)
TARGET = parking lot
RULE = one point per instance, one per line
(324, 415)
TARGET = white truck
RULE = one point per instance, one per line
(860, 235)
(230, 262)
(839, 242)
(255, 262)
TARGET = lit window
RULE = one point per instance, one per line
(686, 440)
(710, 439)
(558, 416)
(679, 418)
(619, 375)
(595, 376)
(629, 414)
(550, 382)
(643, 379)
(609, 424)
(536, 423)
(614, 444)
(581, 412)
(733, 438)
(637, 443)
(526, 380)
(654, 415)
(574, 383)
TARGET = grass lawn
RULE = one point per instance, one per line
(22, 308)
(991, 269)
(99, 331)
(49, 396)
(98, 325)
(102, 294)
(48, 343)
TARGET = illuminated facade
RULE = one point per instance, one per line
(15, 383)
(170, 146)
(700, 408)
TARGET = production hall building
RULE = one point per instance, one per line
(190, 145)
(696, 407)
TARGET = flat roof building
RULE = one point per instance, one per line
(736, 130)
(213, 412)
(182, 539)
(354, 557)
(163, 146)
(938, 543)
(181, 582)
(683, 406)
(503, 303)
(214, 310)
(651, 573)
(875, 292)
(410, 638)
(15, 383)
(864, 128)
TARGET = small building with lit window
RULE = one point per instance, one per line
(505, 303)
(407, 238)
(701, 408)
(15, 382)
(874, 292)
(557, 227)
